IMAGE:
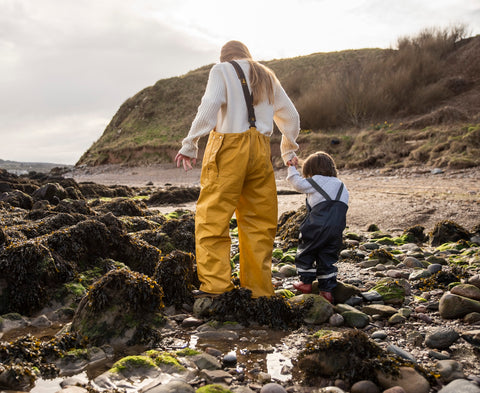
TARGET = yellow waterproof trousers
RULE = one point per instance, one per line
(237, 176)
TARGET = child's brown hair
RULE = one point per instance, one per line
(319, 163)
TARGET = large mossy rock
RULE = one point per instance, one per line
(289, 227)
(393, 291)
(318, 309)
(30, 274)
(35, 264)
(51, 192)
(122, 307)
(238, 305)
(350, 355)
(448, 231)
(176, 275)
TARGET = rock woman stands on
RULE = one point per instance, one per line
(237, 174)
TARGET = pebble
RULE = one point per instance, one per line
(336, 320)
(418, 274)
(424, 317)
(216, 376)
(475, 280)
(171, 387)
(441, 338)
(472, 337)
(396, 319)
(272, 388)
(191, 322)
(450, 370)
(434, 268)
(230, 359)
(438, 355)
(460, 386)
(371, 296)
(412, 262)
(400, 352)
(213, 351)
(364, 387)
(379, 335)
(395, 389)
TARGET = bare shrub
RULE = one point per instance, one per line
(406, 81)
(320, 106)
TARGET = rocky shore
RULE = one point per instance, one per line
(95, 295)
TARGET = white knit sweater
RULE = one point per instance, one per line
(213, 113)
(330, 185)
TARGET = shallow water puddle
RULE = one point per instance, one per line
(255, 349)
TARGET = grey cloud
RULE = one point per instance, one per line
(53, 68)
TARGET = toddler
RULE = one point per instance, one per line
(320, 238)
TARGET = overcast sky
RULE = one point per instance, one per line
(67, 65)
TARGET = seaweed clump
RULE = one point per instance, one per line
(351, 356)
(174, 195)
(440, 280)
(30, 272)
(27, 357)
(414, 234)
(382, 255)
(239, 306)
(176, 275)
(181, 231)
(123, 306)
(448, 231)
(289, 227)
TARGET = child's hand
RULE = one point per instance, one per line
(293, 162)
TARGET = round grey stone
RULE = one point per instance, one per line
(272, 388)
(441, 338)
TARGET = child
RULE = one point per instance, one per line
(320, 238)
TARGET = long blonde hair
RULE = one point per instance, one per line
(261, 77)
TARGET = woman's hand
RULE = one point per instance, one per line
(186, 161)
(293, 162)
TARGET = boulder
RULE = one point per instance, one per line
(460, 385)
(393, 291)
(176, 275)
(17, 199)
(441, 338)
(51, 192)
(319, 311)
(122, 307)
(466, 290)
(447, 231)
(409, 379)
(453, 306)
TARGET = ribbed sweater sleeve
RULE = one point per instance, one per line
(206, 118)
(288, 122)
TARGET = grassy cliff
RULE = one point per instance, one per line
(418, 104)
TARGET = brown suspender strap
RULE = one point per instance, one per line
(246, 93)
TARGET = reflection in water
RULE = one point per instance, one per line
(255, 349)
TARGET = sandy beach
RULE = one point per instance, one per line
(393, 200)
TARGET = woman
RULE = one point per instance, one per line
(237, 174)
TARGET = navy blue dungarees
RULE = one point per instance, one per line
(320, 240)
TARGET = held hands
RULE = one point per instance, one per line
(186, 161)
(293, 162)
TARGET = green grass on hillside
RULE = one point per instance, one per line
(425, 89)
